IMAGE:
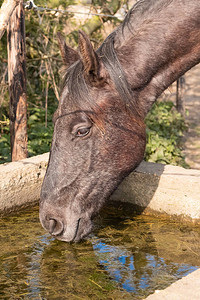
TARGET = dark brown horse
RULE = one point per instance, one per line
(99, 134)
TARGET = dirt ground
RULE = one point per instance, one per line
(192, 105)
(191, 94)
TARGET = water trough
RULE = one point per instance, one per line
(154, 188)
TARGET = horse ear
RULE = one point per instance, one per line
(69, 55)
(89, 57)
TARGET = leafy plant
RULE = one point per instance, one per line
(39, 135)
(4, 140)
(165, 127)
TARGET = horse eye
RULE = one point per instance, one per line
(82, 132)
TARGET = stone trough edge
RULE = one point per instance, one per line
(157, 188)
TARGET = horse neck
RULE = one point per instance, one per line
(158, 43)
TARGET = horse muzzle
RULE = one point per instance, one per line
(63, 224)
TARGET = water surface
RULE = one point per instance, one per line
(128, 256)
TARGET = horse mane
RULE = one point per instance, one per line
(111, 62)
(74, 78)
(77, 84)
(142, 11)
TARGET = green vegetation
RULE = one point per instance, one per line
(164, 125)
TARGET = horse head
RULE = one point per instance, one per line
(98, 139)
(99, 132)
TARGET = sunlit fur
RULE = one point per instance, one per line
(99, 133)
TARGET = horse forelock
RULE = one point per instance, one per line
(75, 87)
(78, 88)
(111, 62)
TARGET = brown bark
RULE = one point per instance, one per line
(17, 84)
(180, 95)
(6, 11)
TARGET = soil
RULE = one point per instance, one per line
(192, 106)
(191, 96)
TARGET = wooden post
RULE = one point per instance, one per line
(5, 12)
(17, 83)
(179, 95)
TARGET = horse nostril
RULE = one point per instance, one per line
(55, 227)
(52, 225)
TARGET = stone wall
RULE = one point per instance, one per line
(156, 188)
(20, 182)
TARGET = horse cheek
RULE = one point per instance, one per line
(131, 153)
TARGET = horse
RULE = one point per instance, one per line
(99, 131)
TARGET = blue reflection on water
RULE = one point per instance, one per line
(121, 263)
(33, 272)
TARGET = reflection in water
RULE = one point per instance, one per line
(128, 257)
(34, 287)
(122, 266)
